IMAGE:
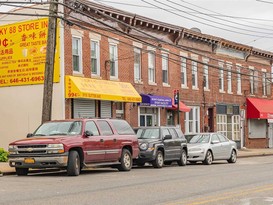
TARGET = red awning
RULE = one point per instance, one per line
(182, 106)
(259, 108)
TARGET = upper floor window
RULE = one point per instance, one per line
(77, 54)
(151, 66)
(251, 78)
(221, 77)
(137, 64)
(264, 84)
(165, 68)
(194, 75)
(183, 72)
(95, 57)
(239, 83)
(229, 79)
(113, 48)
(206, 75)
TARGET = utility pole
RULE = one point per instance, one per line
(50, 59)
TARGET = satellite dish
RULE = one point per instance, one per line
(196, 29)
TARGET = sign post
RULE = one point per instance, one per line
(176, 102)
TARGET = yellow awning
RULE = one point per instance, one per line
(79, 87)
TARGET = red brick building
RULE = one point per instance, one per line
(217, 79)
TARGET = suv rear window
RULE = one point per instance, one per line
(122, 127)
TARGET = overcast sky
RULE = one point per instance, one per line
(248, 22)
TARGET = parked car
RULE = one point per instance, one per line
(209, 147)
(161, 145)
(75, 144)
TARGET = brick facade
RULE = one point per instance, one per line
(191, 46)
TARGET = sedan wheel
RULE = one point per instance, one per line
(209, 158)
(159, 160)
(233, 157)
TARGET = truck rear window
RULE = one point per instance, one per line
(122, 127)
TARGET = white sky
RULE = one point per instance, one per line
(248, 22)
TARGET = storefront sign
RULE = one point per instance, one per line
(156, 101)
(78, 87)
(23, 53)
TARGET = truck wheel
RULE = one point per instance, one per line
(159, 160)
(21, 171)
(126, 161)
(183, 159)
(74, 164)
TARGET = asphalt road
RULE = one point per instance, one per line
(248, 182)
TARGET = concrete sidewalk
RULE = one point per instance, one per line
(6, 169)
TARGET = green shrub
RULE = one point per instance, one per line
(3, 155)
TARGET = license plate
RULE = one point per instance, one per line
(29, 161)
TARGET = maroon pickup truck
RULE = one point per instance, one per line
(75, 144)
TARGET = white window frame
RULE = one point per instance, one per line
(221, 123)
(151, 66)
(137, 65)
(205, 75)
(194, 78)
(97, 57)
(221, 77)
(192, 126)
(251, 81)
(229, 78)
(113, 57)
(165, 68)
(79, 53)
(239, 82)
(264, 74)
(184, 72)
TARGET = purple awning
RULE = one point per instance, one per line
(156, 101)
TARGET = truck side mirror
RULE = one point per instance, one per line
(168, 137)
(88, 133)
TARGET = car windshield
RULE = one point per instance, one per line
(151, 133)
(200, 139)
(59, 128)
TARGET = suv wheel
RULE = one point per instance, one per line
(21, 171)
(125, 161)
(183, 158)
(159, 160)
(74, 164)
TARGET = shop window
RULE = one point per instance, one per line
(192, 122)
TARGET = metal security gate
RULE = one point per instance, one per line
(105, 109)
(84, 108)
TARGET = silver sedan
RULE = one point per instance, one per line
(208, 147)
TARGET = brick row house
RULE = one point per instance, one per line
(121, 65)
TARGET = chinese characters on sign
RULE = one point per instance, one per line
(23, 53)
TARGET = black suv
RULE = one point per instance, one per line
(161, 145)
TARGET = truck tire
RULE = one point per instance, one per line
(21, 171)
(159, 160)
(183, 159)
(126, 161)
(74, 163)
